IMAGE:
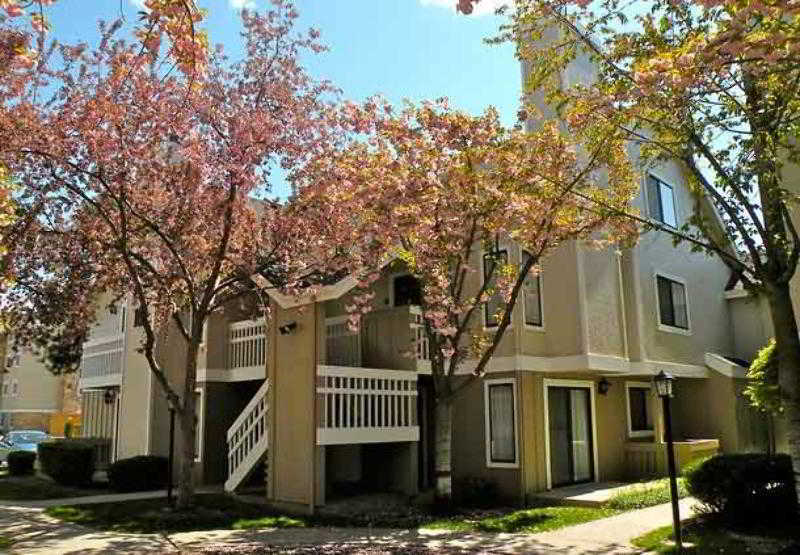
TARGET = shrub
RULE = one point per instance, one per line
(68, 428)
(477, 492)
(20, 463)
(746, 489)
(70, 462)
(143, 473)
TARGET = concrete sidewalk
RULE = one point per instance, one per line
(34, 532)
(100, 498)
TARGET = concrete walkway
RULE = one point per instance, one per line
(34, 532)
(95, 499)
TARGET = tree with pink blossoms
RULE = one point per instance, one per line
(148, 185)
(472, 208)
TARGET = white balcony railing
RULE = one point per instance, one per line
(247, 346)
(101, 363)
(361, 405)
(422, 347)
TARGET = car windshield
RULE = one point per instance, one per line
(26, 437)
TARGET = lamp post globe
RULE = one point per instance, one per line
(663, 381)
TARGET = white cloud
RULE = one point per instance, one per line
(239, 4)
(484, 7)
(138, 3)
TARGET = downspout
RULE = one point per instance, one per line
(622, 306)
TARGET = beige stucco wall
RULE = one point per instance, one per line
(751, 324)
(38, 389)
(293, 457)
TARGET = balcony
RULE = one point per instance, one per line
(391, 338)
(101, 363)
(365, 405)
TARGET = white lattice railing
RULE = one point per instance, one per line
(101, 363)
(421, 347)
(343, 345)
(360, 405)
(248, 438)
(247, 344)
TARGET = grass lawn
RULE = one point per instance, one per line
(32, 488)
(646, 494)
(209, 512)
(5, 542)
(534, 520)
(219, 511)
(701, 536)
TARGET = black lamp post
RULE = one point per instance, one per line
(663, 383)
(170, 460)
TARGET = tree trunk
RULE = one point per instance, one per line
(788, 351)
(444, 442)
(188, 424)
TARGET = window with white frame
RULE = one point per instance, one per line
(673, 308)
(492, 262)
(6, 387)
(532, 296)
(640, 411)
(501, 423)
(661, 200)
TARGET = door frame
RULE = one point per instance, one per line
(585, 384)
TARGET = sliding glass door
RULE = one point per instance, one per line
(570, 430)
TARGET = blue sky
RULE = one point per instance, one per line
(412, 49)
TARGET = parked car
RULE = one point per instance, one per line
(21, 440)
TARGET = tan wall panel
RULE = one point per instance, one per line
(293, 387)
(469, 442)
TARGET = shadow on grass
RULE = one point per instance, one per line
(705, 535)
(37, 488)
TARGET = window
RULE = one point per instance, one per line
(673, 309)
(501, 423)
(198, 418)
(6, 387)
(407, 291)
(491, 266)
(661, 198)
(640, 418)
(532, 296)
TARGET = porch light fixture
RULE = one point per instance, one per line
(663, 382)
(603, 386)
(109, 396)
(286, 329)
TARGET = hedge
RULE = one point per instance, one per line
(142, 473)
(745, 489)
(20, 463)
(70, 462)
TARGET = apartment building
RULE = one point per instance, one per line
(31, 397)
(566, 399)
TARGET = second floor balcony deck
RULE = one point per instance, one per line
(392, 338)
(101, 363)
